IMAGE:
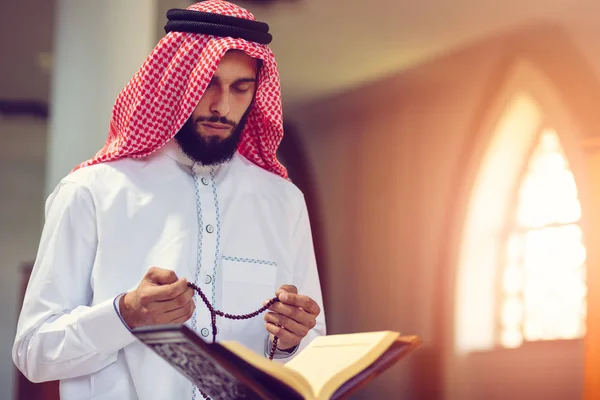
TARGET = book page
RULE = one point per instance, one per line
(329, 361)
(291, 378)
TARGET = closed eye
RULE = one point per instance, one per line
(242, 85)
(241, 88)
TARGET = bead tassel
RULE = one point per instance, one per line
(214, 313)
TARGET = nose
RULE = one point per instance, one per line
(220, 104)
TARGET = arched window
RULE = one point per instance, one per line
(521, 263)
(542, 280)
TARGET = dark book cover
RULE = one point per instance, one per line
(214, 369)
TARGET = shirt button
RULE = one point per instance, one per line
(210, 229)
(204, 181)
(208, 279)
(204, 332)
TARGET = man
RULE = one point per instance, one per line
(127, 230)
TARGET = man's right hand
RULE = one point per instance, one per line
(160, 298)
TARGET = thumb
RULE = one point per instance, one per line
(160, 276)
(286, 288)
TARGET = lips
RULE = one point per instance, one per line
(216, 129)
(216, 126)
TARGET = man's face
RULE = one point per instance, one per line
(211, 134)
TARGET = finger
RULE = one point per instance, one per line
(286, 338)
(286, 288)
(172, 304)
(160, 276)
(180, 315)
(298, 300)
(295, 313)
(167, 292)
(287, 323)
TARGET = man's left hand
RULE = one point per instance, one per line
(292, 317)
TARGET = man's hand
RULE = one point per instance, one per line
(160, 298)
(292, 317)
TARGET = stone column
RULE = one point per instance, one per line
(98, 46)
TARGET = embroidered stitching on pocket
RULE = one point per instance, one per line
(249, 260)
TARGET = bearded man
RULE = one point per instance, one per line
(187, 189)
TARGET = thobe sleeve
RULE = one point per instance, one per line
(306, 278)
(60, 334)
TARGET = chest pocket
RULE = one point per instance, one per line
(247, 283)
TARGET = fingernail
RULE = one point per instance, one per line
(283, 296)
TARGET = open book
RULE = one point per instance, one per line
(330, 367)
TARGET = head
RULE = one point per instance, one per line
(172, 95)
(212, 133)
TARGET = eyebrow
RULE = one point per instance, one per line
(238, 81)
(244, 80)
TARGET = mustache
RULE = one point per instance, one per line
(216, 119)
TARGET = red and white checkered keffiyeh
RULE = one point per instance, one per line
(161, 96)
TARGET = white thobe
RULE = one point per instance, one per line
(237, 231)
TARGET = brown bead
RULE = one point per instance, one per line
(214, 313)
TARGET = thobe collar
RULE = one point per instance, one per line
(174, 152)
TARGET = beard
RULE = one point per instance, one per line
(210, 151)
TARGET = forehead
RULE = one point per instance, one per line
(236, 64)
